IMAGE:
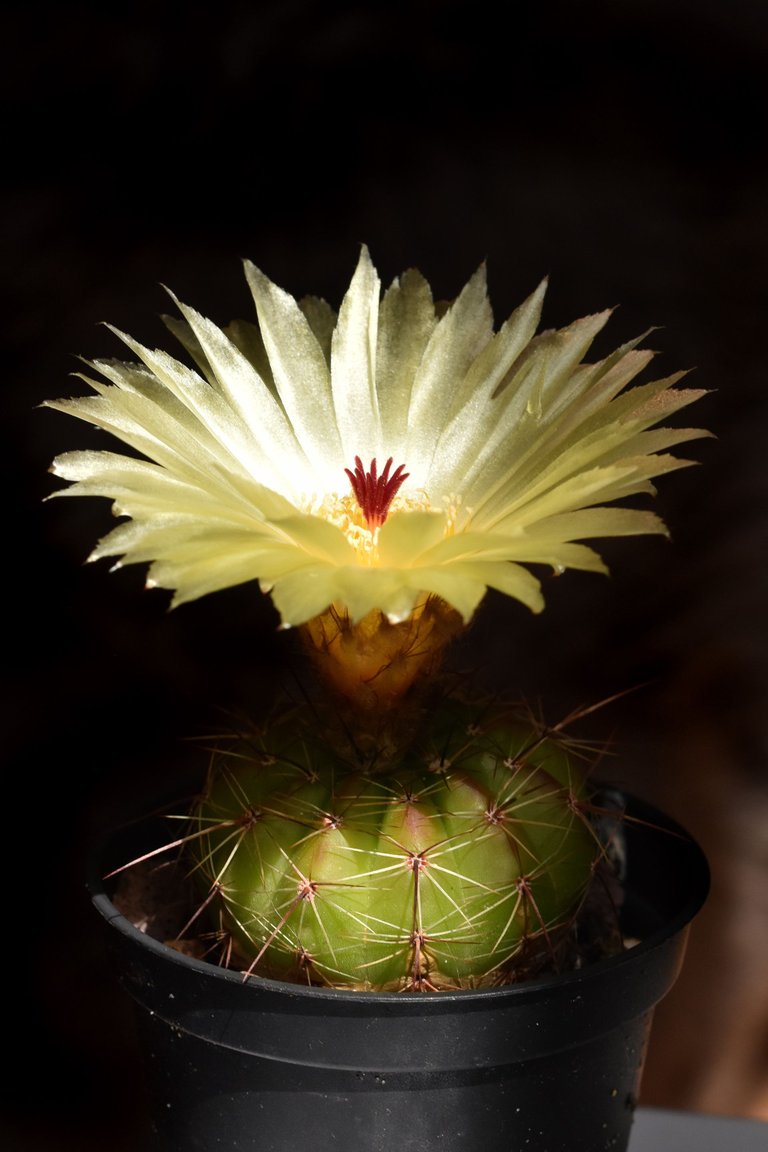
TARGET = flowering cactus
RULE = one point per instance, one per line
(376, 471)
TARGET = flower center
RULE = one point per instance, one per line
(375, 493)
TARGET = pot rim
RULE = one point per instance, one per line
(531, 989)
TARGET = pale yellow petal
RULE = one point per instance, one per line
(459, 337)
(186, 337)
(591, 523)
(163, 431)
(463, 585)
(300, 371)
(322, 320)
(466, 437)
(406, 535)
(353, 367)
(150, 489)
(256, 435)
(211, 573)
(406, 322)
(387, 589)
(304, 594)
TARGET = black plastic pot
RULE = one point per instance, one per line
(552, 1065)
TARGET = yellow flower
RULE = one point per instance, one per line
(368, 461)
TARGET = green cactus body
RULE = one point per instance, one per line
(442, 870)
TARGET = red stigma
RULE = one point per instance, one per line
(375, 493)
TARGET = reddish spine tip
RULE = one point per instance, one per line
(375, 493)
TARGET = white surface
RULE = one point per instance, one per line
(657, 1130)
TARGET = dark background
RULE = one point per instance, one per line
(618, 148)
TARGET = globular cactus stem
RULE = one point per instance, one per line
(462, 863)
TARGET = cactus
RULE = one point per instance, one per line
(377, 471)
(460, 863)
